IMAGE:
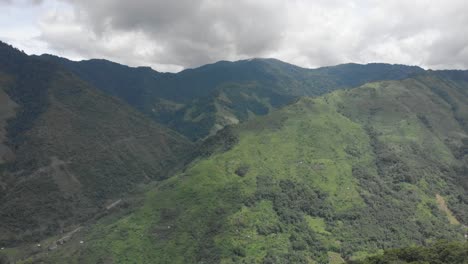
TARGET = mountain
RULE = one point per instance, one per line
(290, 166)
(68, 150)
(325, 179)
(198, 102)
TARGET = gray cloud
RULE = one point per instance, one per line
(170, 35)
(21, 2)
(186, 33)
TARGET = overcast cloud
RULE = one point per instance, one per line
(170, 35)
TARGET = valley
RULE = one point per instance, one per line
(334, 177)
(253, 161)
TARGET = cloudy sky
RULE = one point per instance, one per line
(170, 35)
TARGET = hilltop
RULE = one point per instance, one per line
(198, 102)
(253, 161)
(330, 178)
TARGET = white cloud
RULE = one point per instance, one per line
(170, 35)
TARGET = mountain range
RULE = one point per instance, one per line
(68, 148)
(198, 102)
(253, 161)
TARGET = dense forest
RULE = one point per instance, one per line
(439, 253)
(72, 149)
(254, 161)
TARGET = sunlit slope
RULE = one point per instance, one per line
(326, 178)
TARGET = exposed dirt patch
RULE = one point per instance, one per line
(58, 170)
(443, 207)
(114, 204)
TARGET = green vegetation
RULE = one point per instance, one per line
(345, 176)
(75, 149)
(337, 177)
(198, 102)
(438, 253)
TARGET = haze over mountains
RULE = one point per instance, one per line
(256, 161)
(198, 102)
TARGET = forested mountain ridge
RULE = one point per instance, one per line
(323, 180)
(277, 177)
(198, 102)
(68, 149)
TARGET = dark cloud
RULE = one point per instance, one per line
(170, 35)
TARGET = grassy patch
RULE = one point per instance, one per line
(353, 172)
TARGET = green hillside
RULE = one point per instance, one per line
(68, 150)
(440, 252)
(323, 180)
(198, 102)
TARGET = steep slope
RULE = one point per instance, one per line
(67, 149)
(440, 252)
(324, 179)
(198, 102)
